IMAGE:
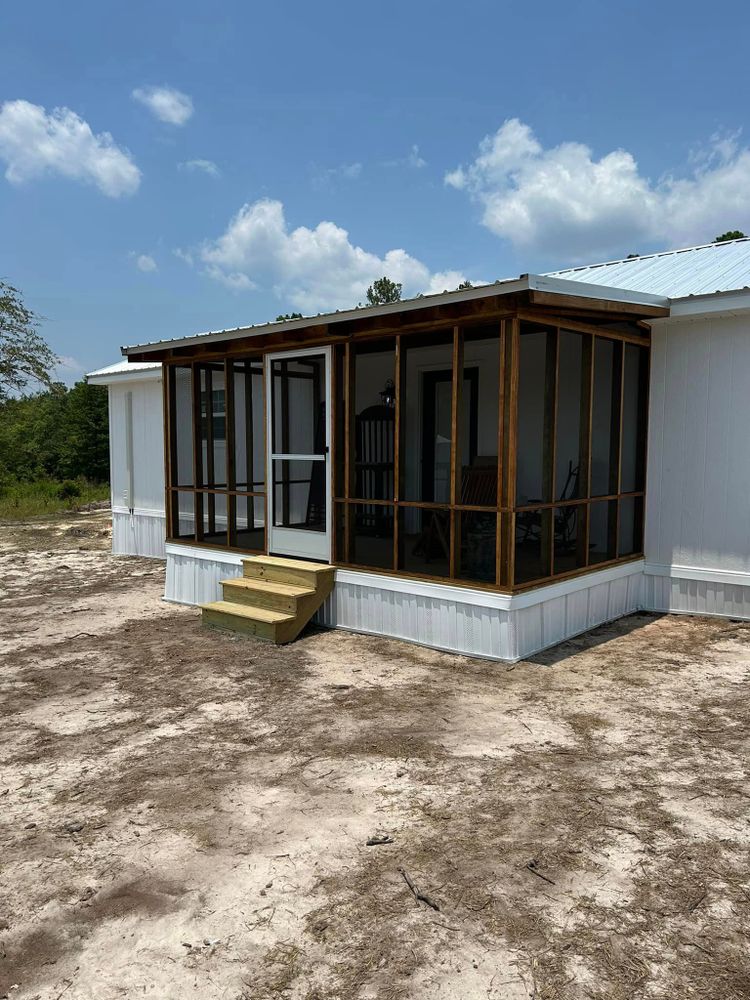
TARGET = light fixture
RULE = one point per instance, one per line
(388, 393)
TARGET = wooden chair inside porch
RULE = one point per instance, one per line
(478, 489)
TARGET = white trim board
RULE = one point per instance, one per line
(138, 511)
(440, 591)
(207, 555)
(704, 574)
(489, 598)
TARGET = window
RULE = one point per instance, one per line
(216, 466)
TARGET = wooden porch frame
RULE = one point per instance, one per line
(507, 328)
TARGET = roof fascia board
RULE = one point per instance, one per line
(324, 319)
(526, 282)
(711, 304)
(587, 290)
(115, 378)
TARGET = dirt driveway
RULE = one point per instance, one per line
(186, 814)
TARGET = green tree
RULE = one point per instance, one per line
(58, 434)
(731, 234)
(85, 447)
(464, 284)
(383, 291)
(285, 316)
(24, 355)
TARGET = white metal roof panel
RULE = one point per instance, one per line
(124, 370)
(703, 270)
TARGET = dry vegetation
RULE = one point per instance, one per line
(185, 813)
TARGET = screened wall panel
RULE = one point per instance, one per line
(216, 454)
(581, 415)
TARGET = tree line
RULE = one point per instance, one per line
(58, 433)
(55, 433)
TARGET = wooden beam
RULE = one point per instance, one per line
(563, 301)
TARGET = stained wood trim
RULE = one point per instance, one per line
(642, 311)
(501, 387)
(585, 432)
(457, 380)
(511, 445)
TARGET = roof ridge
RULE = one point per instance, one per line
(649, 256)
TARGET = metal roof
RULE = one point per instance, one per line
(526, 282)
(652, 279)
(702, 270)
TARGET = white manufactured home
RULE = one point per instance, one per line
(487, 471)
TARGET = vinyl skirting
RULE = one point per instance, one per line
(140, 533)
(455, 619)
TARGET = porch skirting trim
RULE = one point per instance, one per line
(456, 619)
(697, 591)
(495, 626)
(141, 533)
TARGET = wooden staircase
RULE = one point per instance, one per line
(273, 600)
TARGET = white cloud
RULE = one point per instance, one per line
(345, 172)
(67, 370)
(562, 202)
(146, 263)
(200, 166)
(413, 160)
(308, 269)
(34, 142)
(165, 103)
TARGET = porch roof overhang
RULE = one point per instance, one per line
(529, 290)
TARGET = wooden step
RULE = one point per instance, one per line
(259, 622)
(292, 571)
(265, 593)
(274, 598)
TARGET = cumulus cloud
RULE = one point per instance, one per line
(165, 103)
(34, 142)
(310, 269)
(146, 263)
(200, 166)
(563, 202)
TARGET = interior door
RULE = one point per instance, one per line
(298, 453)
(436, 430)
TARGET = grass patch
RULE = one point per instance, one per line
(19, 501)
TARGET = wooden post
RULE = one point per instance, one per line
(512, 352)
(456, 458)
(400, 383)
(584, 447)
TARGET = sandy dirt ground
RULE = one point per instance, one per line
(184, 813)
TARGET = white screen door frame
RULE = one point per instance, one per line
(296, 541)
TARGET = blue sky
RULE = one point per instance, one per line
(213, 165)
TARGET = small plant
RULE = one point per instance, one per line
(68, 490)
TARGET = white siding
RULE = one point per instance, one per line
(193, 574)
(698, 487)
(138, 521)
(148, 445)
(138, 534)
